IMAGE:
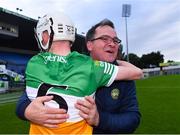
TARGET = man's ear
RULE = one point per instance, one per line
(89, 45)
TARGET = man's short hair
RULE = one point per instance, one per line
(91, 32)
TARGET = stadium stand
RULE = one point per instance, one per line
(18, 44)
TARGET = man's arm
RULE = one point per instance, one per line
(36, 112)
(88, 110)
(106, 122)
(22, 105)
(124, 120)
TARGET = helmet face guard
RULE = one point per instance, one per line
(59, 27)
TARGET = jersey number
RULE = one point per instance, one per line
(44, 87)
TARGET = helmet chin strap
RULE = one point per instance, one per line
(39, 44)
(51, 36)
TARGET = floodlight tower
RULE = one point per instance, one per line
(19, 10)
(126, 12)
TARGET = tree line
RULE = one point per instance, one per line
(149, 60)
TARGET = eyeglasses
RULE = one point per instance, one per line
(107, 39)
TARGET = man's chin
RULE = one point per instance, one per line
(110, 60)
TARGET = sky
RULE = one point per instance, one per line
(154, 25)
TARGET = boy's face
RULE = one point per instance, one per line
(45, 38)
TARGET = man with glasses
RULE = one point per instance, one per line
(107, 39)
(117, 105)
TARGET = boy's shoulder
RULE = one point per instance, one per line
(81, 57)
(36, 58)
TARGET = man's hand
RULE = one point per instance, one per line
(37, 113)
(88, 110)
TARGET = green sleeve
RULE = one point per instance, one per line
(105, 73)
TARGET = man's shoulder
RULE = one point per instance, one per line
(124, 82)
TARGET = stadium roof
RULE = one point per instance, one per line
(17, 34)
(16, 14)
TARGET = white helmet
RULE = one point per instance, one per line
(58, 25)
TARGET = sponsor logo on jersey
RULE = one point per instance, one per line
(108, 68)
(55, 58)
(97, 63)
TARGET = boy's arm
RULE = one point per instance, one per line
(127, 71)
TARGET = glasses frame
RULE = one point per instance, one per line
(107, 39)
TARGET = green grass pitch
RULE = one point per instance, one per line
(159, 103)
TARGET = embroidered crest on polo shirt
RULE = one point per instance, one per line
(115, 93)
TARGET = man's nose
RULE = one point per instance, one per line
(112, 44)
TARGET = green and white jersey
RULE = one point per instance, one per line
(68, 78)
